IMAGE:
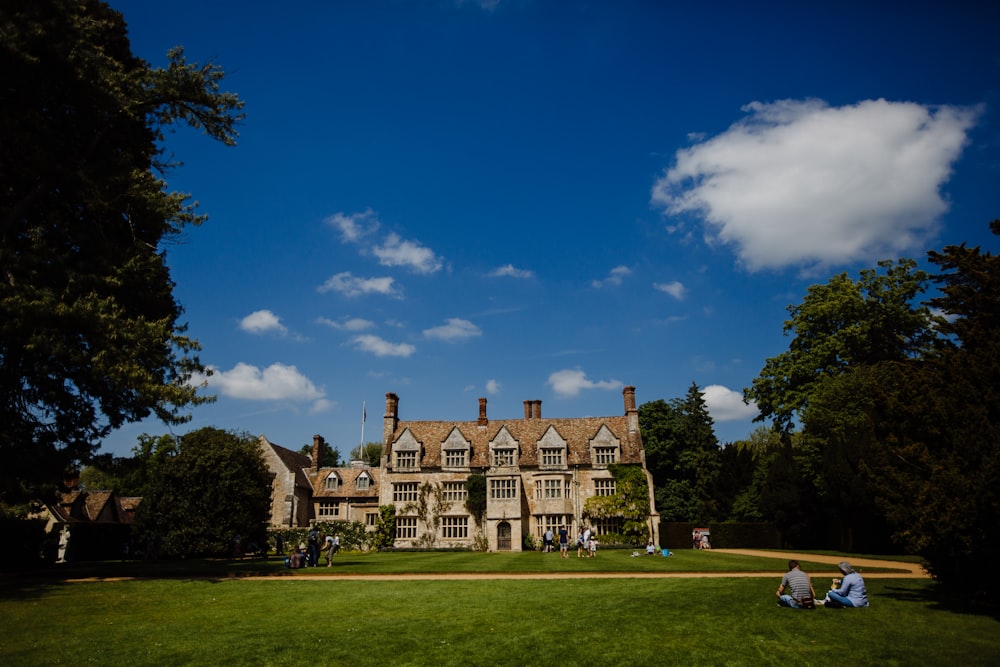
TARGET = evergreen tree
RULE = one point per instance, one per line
(90, 332)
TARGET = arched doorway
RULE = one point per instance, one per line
(503, 536)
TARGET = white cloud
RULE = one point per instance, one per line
(726, 405)
(276, 382)
(615, 277)
(798, 182)
(355, 226)
(454, 329)
(351, 286)
(509, 271)
(568, 383)
(320, 406)
(674, 289)
(382, 348)
(262, 321)
(397, 252)
(493, 387)
(347, 324)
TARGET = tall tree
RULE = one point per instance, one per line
(90, 336)
(937, 421)
(682, 455)
(204, 489)
(841, 324)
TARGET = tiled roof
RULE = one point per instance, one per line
(95, 506)
(347, 487)
(577, 432)
(293, 461)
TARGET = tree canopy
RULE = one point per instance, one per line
(90, 335)
(203, 490)
(370, 453)
(899, 410)
(842, 324)
(682, 455)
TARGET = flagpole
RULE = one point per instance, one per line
(364, 415)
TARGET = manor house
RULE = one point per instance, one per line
(538, 475)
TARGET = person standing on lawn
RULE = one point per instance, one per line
(328, 549)
(563, 542)
(312, 552)
(798, 584)
(848, 592)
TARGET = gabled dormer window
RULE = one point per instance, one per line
(605, 448)
(552, 449)
(332, 482)
(406, 452)
(504, 450)
(455, 450)
(363, 482)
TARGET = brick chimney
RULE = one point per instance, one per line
(483, 421)
(317, 450)
(527, 409)
(536, 409)
(390, 420)
(631, 413)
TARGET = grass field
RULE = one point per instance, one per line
(185, 618)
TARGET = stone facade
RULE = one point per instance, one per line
(539, 473)
(291, 491)
(303, 492)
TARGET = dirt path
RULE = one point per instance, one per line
(910, 570)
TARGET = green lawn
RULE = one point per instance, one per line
(291, 620)
(611, 560)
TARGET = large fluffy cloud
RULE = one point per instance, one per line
(802, 183)
(726, 405)
(276, 382)
(569, 382)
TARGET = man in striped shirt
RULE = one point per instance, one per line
(797, 584)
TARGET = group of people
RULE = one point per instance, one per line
(586, 543)
(796, 589)
(307, 555)
(699, 540)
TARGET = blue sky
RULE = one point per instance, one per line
(528, 199)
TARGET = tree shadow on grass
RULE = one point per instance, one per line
(940, 598)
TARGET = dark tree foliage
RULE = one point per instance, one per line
(475, 501)
(204, 489)
(937, 421)
(385, 528)
(127, 475)
(840, 325)
(682, 456)
(900, 414)
(90, 336)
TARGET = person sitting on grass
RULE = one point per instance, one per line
(297, 559)
(849, 592)
(799, 586)
(650, 549)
